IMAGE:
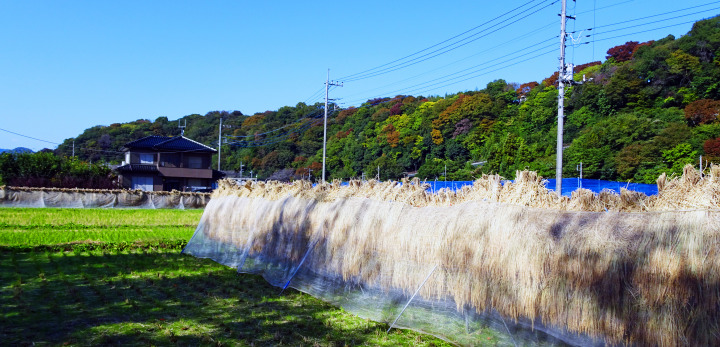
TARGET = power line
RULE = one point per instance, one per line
(78, 148)
(605, 7)
(56, 143)
(304, 125)
(664, 13)
(315, 95)
(490, 49)
(504, 60)
(276, 139)
(650, 23)
(435, 86)
(644, 31)
(29, 137)
(507, 60)
(276, 129)
(345, 78)
(440, 51)
(448, 79)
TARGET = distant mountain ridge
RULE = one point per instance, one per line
(17, 150)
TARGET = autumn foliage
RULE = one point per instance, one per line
(625, 51)
(525, 88)
(703, 111)
(581, 67)
(391, 135)
(712, 150)
(552, 80)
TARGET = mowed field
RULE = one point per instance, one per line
(116, 277)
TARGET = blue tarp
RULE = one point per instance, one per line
(569, 185)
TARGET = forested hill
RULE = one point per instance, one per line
(649, 108)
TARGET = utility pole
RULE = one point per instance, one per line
(579, 168)
(74, 149)
(182, 127)
(219, 142)
(327, 90)
(562, 78)
(241, 169)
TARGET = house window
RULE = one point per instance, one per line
(143, 183)
(195, 162)
(147, 158)
(170, 160)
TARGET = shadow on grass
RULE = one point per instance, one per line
(159, 299)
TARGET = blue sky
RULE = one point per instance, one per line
(69, 65)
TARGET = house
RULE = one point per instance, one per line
(155, 163)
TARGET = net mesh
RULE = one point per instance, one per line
(537, 275)
(93, 198)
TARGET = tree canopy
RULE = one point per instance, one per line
(649, 108)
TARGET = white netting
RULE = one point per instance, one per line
(94, 198)
(543, 275)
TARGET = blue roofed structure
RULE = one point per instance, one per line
(155, 163)
(164, 143)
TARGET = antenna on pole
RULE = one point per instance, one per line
(562, 78)
(328, 83)
(182, 128)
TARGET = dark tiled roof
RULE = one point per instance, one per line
(164, 143)
(137, 168)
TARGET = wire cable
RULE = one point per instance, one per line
(644, 31)
(315, 95)
(425, 84)
(478, 73)
(304, 123)
(447, 48)
(435, 45)
(273, 140)
(665, 13)
(29, 137)
(477, 68)
(276, 129)
(506, 56)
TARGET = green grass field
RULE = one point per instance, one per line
(52, 226)
(116, 277)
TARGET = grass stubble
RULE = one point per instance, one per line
(136, 290)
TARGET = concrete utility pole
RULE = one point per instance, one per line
(562, 78)
(74, 149)
(327, 90)
(219, 142)
(182, 127)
